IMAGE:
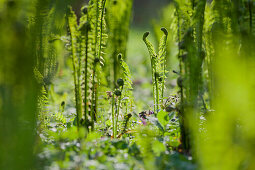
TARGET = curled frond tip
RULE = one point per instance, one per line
(145, 35)
(164, 30)
(119, 56)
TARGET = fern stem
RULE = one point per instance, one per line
(94, 109)
(86, 78)
(163, 81)
(78, 109)
(78, 99)
(157, 93)
(113, 116)
(118, 111)
(153, 87)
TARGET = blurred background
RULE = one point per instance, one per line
(144, 10)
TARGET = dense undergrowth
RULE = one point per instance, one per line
(81, 89)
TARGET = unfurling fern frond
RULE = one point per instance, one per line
(162, 62)
(158, 67)
(124, 96)
(153, 57)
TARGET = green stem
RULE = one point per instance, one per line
(157, 91)
(113, 116)
(86, 79)
(76, 74)
(163, 81)
(153, 86)
(118, 111)
(93, 109)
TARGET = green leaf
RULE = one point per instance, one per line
(163, 118)
(158, 147)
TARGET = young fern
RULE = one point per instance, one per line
(158, 68)
(127, 93)
(162, 62)
(74, 34)
(88, 40)
(98, 30)
(153, 57)
(84, 28)
(126, 75)
(124, 96)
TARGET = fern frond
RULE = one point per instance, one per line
(158, 67)
(74, 34)
(126, 73)
(60, 117)
(162, 61)
(153, 57)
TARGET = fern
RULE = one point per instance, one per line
(126, 75)
(153, 57)
(74, 34)
(158, 66)
(127, 90)
(162, 62)
(60, 118)
(99, 42)
(88, 41)
(125, 124)
(43, 110)
(124, 92)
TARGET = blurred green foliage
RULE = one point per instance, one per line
(18, 88)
